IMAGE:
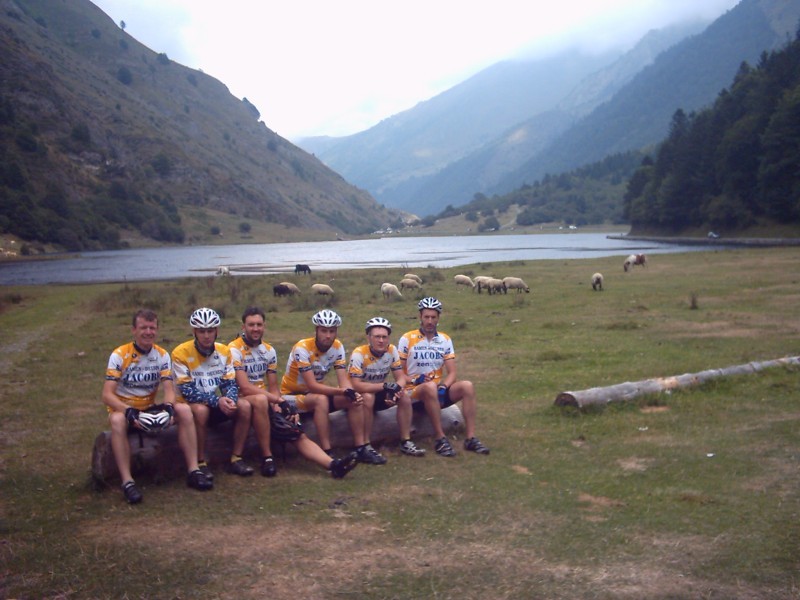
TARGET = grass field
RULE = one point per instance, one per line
(692, 494)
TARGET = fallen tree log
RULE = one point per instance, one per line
(162, 452)
(600, 396)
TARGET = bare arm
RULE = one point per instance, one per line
(364, 387)
(400, 377)
(168, 388)
(110, 399)
(317, 387)
(343, 379)
(450, 373)
(273, 389)
(245, 387)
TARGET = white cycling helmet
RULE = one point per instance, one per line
(204, 318)
(378, 322)
(430, 302)
(326, 318)
(154, 422)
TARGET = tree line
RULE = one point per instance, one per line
(731, 166)
(588, 195)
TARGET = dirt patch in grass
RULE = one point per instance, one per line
(635, 464)
(349, 558)
(654, 409)
(720, 329)
(598, 503)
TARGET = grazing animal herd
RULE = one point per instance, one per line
(493, 285)
(410, 281)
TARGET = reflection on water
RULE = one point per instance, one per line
(392, 252)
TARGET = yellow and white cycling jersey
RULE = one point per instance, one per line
(424, 356)
(305, 356)
(206, 372)
(138, 374)
(366, 366)
(256, 361)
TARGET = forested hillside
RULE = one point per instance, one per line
(444, 151)
(688, 75)
(731, 166)
(589, 195)
(103, 140)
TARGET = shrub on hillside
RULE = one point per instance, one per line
(124, 75)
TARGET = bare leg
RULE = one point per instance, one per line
(369, 415)
(404, 415)
(309, 449)
(120, 445)
(319, 404)
(464, 392)
(187, 435)
(428, 393)
(355, 417)
(260, 419)
(242, 426)
(200, 413)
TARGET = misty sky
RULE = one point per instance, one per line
(317, 67)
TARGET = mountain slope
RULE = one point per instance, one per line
(100, 136)
(623, 106)
(424, 139)
(494, 121)
(732, 166)
(482, 170)
(687, 76)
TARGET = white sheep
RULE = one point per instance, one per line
(223, 270)
(480, 282)
(463, 280)
(416, 278)
(411, 284)
(389, 290)
(597, 282)
(495, 286)
(322, 289)
(629, 262)
(293, 289)
(515, 283)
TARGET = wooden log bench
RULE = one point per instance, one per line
(162, 453)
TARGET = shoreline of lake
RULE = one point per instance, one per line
(145, 264)
(711, 241)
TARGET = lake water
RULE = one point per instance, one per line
(388, 252)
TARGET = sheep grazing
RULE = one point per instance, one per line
(285, 288)
(597, 282)
(411, 284)
(280, 290)
(628, 264)
(463, 280)
(416, 278)
(481, 281)
(389, 290)
(322, 289)
(495, 286)
(515, 283)
(223, 270)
